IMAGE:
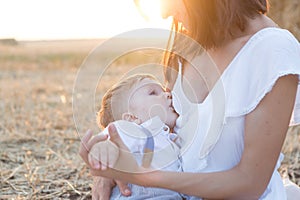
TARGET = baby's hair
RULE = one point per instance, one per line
(118, 92)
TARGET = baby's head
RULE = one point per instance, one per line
(137, 98)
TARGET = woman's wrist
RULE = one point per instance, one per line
(147, 179)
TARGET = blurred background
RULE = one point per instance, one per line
(42, 46)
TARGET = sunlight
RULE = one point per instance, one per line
(150, 9)
(77, 19)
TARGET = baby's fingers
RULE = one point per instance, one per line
(104, 156)
(113, 154)
(94, 163)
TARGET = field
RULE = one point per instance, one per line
(39, 140)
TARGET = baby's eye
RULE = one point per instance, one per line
(152, 92)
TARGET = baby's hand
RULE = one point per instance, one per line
(103, 154)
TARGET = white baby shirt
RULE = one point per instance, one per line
(166, 153)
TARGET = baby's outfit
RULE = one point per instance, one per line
(166, 155)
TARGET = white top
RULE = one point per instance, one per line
(166, 153)
(268, 55)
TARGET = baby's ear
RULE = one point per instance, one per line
(131, 118)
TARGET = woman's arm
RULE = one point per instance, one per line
(265, 131)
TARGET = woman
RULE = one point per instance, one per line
(259, 65)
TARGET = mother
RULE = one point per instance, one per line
(260, 66)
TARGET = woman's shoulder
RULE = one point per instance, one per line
(267, 49)
(274, 37)
(276, 49)
(271, 54)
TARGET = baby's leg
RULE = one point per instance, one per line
(292, 190)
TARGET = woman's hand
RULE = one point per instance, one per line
(103, 154)
(102, 187)
(87, 142)
(126, 167)
(125, 161)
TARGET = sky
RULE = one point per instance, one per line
(73, 19)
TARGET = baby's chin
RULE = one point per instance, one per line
(171, 124)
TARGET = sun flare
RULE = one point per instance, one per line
(150, 9)
(115, 17)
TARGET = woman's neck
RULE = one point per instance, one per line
(253, 26)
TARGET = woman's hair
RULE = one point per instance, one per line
(115, 100)
(211, 24)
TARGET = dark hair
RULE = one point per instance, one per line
(211, 23)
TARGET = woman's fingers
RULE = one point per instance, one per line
(114, 136)
(109, 154)
(125, 162)
(103, 156)
(87, 142)
(96, 139)
(83, 150)
(92, 162)
(113, 154)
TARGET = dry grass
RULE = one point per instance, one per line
(286, 14)
(38, 155)
(39, 142)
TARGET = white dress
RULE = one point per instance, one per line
(217, 143)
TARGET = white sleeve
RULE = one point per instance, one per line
(133, 138)
(273, 56)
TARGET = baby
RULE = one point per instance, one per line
(141, 104)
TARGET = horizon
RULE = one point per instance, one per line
(2, 40)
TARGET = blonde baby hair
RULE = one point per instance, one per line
(115, 100)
